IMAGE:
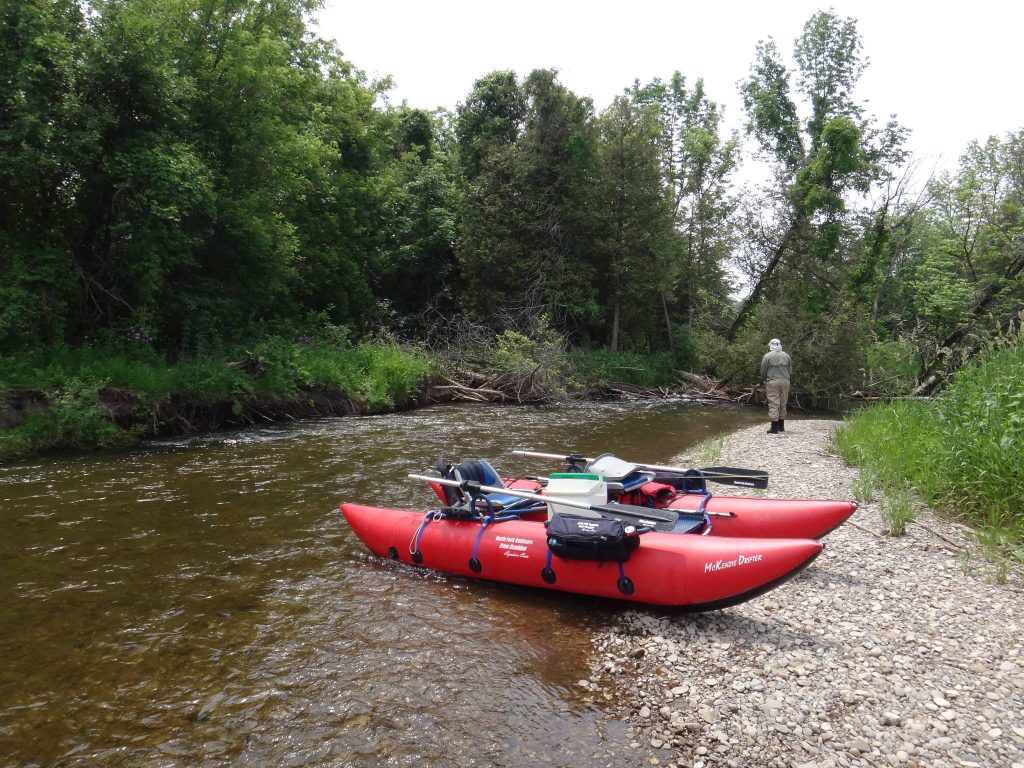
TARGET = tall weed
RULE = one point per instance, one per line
(964, 450)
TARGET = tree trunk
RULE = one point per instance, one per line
(931, 375)
(614, 345)
(668, 327)
(755, 295)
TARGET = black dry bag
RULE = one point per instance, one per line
(574, 537)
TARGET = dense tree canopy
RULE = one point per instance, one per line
(191, 174)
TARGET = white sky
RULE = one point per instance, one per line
(950, 72)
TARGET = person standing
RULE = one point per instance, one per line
(776, 371)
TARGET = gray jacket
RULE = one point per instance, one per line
(776, 365)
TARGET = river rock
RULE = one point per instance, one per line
(886, 651)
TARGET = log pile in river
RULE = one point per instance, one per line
(529, 387)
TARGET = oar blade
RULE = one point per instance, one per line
(743, 478)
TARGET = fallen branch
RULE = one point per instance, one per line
(952, 543)
(862, 528)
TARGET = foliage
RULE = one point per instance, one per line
(377, 376)
(183, 183)
(182, 168)
(139, 370)
(527, 223)
(74, 382)
(960, 284)
(831, 356)
(963, 451)
(600, 367)
(805, 236)
(889, 368)
(637, 225)
(74, 420)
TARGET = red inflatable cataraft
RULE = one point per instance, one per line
(607, 528)
(694, 572)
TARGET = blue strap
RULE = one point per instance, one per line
(702, 509)
(691, 474)
(432, 515)
(480, 534)
(475, 497)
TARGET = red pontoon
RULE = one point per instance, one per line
(695, 572)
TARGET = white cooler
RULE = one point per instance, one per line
(576, 486)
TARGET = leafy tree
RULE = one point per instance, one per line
(417, 269)
(559, 162)
(818, 162)
(185, 169)
(41, 45)
(490, 121)
(638, 225)
(965, 278)
(697, 163)
(528, 156)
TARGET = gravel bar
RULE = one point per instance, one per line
(887, 651)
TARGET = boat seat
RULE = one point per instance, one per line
(621, 476)
(480, 471)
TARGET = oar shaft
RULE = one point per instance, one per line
(509, 491)
(651, 467)
(527, 495)
(559, 456)
(658, 468)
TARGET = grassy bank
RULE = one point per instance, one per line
(963, 452)
(94, 397)
(84, 398)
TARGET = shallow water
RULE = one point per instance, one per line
(201, 602)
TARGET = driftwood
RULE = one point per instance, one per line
(933, 532)
(527, 386)
(477, 387)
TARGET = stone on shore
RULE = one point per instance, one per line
(891, 651)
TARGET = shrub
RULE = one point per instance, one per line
(74, 420)
(600, 367)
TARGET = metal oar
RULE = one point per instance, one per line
(745, 478)
(647, 517)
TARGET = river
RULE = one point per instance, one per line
(201, 602)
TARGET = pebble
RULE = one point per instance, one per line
(886, 651)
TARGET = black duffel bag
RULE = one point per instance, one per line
(574, 537)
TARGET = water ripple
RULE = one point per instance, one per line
(200, 601)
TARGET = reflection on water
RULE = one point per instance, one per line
(201, 603)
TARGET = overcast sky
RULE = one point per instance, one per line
(951, 76)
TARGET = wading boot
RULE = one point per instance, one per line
(774, 430)
(782, 425)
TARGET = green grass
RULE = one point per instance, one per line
(898, 510)
(963, 452)
(71, 381)
(74, 419)
(709, 450)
